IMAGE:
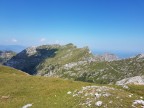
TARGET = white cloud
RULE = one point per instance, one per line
(14, 40)
(57, 42)
(42, 39)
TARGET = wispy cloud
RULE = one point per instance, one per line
(14, 40)
(42, 40)
(57, 42)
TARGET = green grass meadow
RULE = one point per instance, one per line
(45, 92)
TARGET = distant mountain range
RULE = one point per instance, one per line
(70, 62)
(15, 48)
(6, 55)
(120, 54)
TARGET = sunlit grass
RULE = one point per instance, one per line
(45, 92)
(41, 91)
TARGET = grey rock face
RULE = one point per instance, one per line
(141, 56)
(31, 51)
(139, 80)
(106, 57)
(110, 57)
(6, 55)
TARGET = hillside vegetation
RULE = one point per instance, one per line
(79, 64)
(109, 72)
(18, 89)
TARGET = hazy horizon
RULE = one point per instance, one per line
(121, 54)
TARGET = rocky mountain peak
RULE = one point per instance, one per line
(29, 58)
(106, 57)
(31, 50)
(109, 57)
(141, 56)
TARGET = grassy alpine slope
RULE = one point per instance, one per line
(18, 89)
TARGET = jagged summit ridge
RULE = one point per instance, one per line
(32, 59)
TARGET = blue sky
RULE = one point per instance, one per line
(99, 24)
